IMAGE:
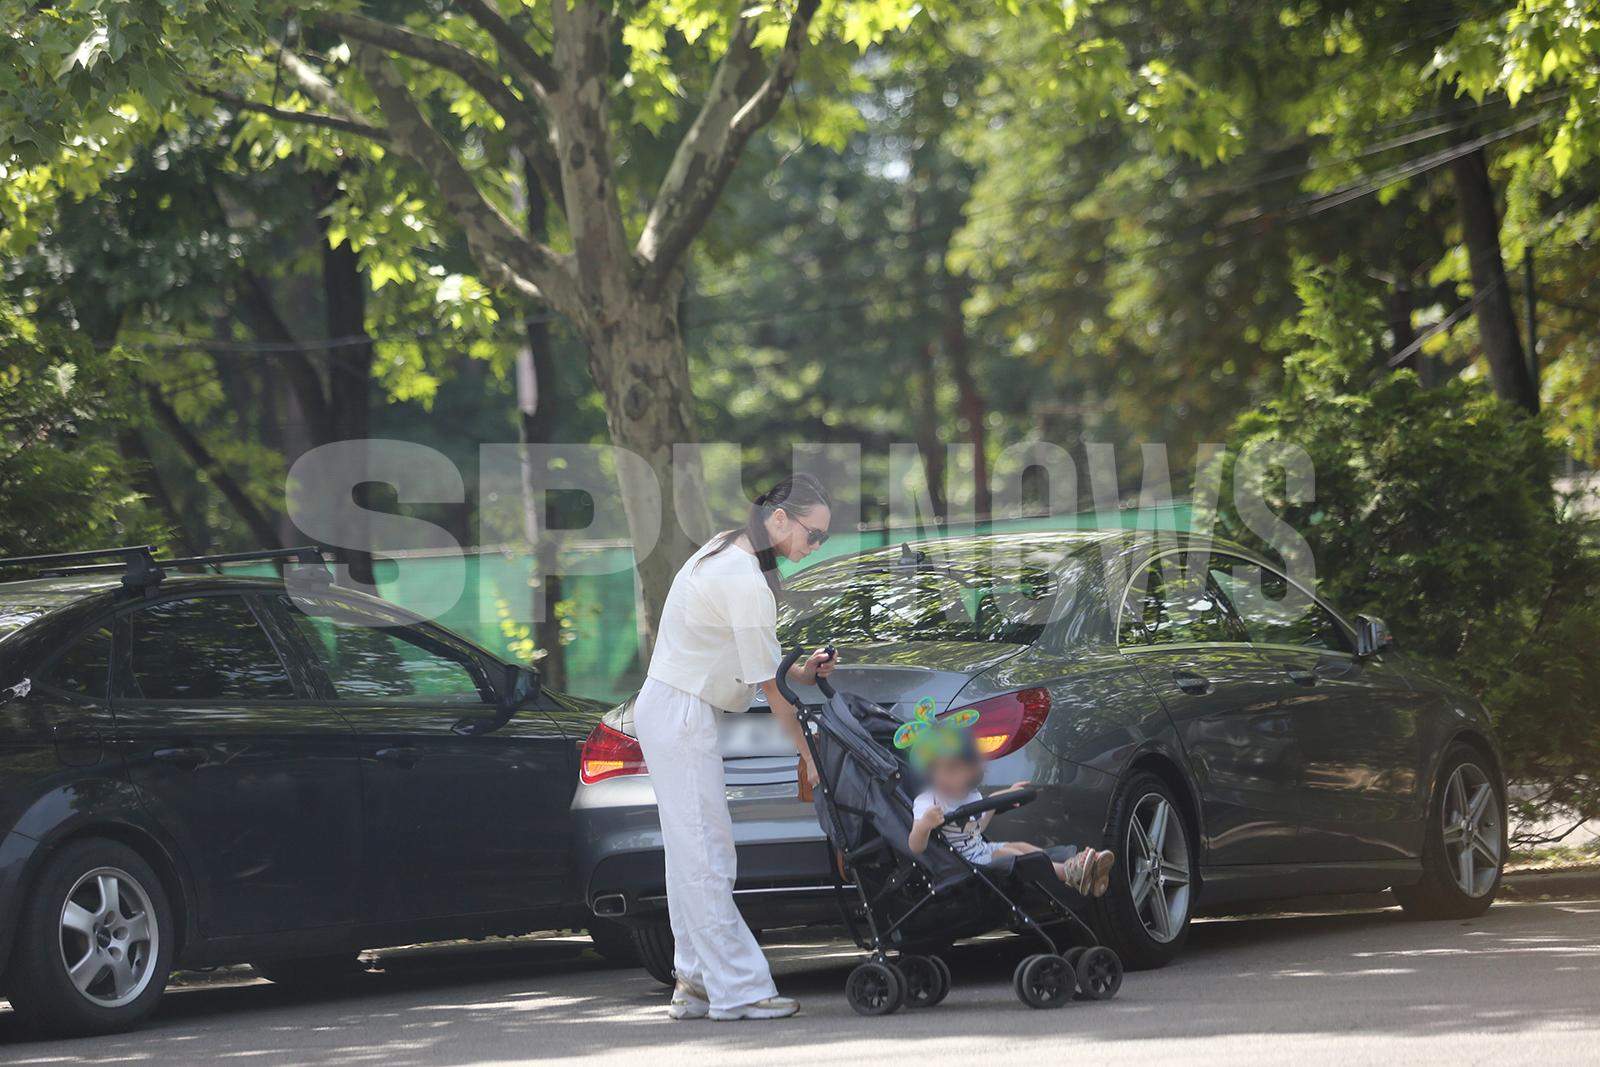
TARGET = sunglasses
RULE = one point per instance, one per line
(814, 536)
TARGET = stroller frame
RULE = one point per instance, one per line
(1089, 970)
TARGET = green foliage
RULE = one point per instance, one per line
(1434, 509)
(63, 484)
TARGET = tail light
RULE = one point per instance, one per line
(1009, 721)
(609, 753)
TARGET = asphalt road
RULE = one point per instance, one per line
(1520, 985)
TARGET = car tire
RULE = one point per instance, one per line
(119, 933)
(654, 945)
(312, 973)
(612, 941)
(1132, 928)
(1442, 893)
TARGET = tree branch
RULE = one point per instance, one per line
(305, 118)
(508, 256)
(581, 113)
(314, 85)
(733, 111)
(261, 527)
(528, 64)
(523, 120)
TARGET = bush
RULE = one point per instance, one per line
(1435, 509)
(63, 483)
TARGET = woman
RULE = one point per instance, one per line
(716, 645)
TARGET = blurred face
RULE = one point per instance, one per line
(796, 536)
(951, 777)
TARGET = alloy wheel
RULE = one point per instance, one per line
(1472, 832)
(1158, 867)
(109, 937)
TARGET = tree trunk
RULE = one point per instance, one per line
(637, 359)
(970, 404)
(1497, 323)
(344, 289)
(1401, 308)
(536, 425)
(926, 420)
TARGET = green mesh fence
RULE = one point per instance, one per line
(599, 625)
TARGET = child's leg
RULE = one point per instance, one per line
(1088, 871)
(1015, 848)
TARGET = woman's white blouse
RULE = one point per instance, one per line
(718, 638)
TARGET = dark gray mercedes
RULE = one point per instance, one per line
(1231, 736)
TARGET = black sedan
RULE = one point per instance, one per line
(201, 769)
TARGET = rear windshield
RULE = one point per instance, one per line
(975, 595)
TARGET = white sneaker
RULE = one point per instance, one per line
(689, 1001)
(770, 1008)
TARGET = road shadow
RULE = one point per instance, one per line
(1521, 967)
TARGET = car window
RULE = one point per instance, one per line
(85, 668)
(369, 657)
(204, 648)
(1274, 610)
(1174, 604)
(1002, 595)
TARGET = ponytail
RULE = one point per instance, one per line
(795, 494)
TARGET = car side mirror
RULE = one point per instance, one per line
(519, 688)
(1372, 636)
(515, 688)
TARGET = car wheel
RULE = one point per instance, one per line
(653, 942)
(312, 972)
(94, 944)
(612, 941)
(1145, 913)
(1464, 848)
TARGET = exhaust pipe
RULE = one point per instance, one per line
(610, 905)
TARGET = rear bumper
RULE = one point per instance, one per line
(784, 861)
(787, 881)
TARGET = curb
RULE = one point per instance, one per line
(1552, 883)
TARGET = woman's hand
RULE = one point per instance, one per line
(819, 664)
(813, 779)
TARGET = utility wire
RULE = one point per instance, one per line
(1300, 208)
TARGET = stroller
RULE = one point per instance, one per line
(895, 901)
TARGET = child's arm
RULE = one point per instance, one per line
(983, 820)
(925, 824)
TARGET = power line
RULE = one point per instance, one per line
(1303, 207)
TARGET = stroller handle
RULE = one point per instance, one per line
(783, 677)
(1005, 800)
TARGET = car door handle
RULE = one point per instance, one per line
(1307, 678)
(404, 756)
(1191, 683)
(188, 758)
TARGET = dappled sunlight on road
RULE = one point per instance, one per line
(1307, 987)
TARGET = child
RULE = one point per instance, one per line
(943, 752)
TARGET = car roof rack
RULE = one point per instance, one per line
(142, 571)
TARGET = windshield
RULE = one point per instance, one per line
(965, 593)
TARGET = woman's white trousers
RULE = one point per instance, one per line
(715, 948)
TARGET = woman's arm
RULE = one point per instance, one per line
(789, 722)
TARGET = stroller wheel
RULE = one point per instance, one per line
(1044, 981)
(1099, 973)
(944, 972)
(875, 989)
(927, 980)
